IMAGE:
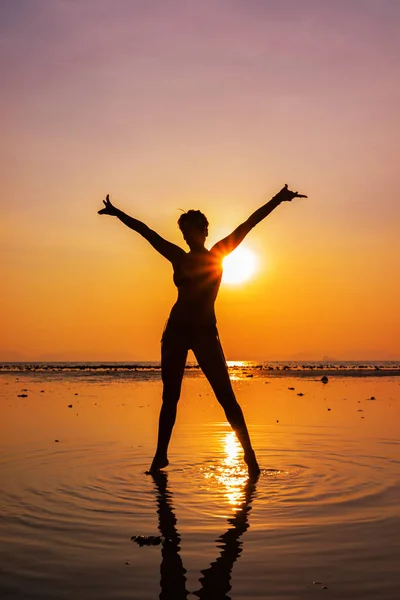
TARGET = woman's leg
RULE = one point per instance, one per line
(173, 360)
(209, 355)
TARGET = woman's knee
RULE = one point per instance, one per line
(171, 394)
(228, 401)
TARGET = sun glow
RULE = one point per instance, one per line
(239, 266)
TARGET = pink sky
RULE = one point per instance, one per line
(211, 105)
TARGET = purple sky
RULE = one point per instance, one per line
(212, 104)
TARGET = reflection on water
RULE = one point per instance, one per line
(239, 492)
(231, 473)
(330, 484)
(215, 580)
(172, 572)
(238, 363)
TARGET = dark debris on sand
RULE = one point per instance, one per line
(148, 540)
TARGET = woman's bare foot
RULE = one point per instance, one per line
(159, 462)
(252, 464)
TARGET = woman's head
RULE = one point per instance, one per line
(194, 227)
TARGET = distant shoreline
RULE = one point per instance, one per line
(242, 368)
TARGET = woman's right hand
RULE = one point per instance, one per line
(109, 209)
(286, 195)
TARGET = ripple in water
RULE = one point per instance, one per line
(62, 507)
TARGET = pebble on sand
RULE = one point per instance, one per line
(22, 395)
(329, 409)
(300, 394)
(290, 388)
(69, 405)
(324, 379)
(56, 440)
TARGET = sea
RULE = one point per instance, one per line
(81, 520)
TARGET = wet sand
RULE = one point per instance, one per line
(322, 521)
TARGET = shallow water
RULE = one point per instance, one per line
(323, 520)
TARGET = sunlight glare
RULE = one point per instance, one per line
(233, 474)
(239, 266)
(231, 448)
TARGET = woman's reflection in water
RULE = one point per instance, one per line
(215, 583)
(215, 580)
(173, 580)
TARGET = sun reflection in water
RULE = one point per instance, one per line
(239, 369)
(237, 363)
(231, 473)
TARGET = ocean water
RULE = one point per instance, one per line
(81, 519)
(150, 369)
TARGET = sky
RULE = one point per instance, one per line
(213, 105)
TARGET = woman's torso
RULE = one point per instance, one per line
(197, 277)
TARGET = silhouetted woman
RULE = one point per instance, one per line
(192, 322)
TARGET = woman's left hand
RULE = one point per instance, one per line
(109, 208)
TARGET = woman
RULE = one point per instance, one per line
(192, 322)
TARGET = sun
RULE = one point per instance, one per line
(239, 266)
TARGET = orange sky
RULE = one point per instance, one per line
(174, 104)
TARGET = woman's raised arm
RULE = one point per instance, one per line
(230, 242)
(170, 251)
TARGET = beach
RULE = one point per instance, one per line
(82, 520)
